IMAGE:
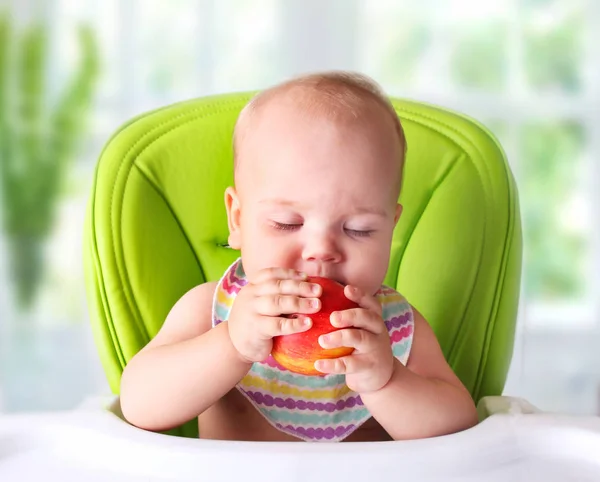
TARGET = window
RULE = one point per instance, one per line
(528, 69)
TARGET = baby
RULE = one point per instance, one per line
(318, 169)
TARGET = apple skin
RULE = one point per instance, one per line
(298, 352)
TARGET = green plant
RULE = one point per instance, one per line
(479, 58)
(555, 256)
(38, 139)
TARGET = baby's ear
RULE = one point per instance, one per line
(398, 212)
(232, 205)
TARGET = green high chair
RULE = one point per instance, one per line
(156, 226)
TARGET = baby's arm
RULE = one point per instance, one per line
(425, 398)
(188, 366)
(184, 369)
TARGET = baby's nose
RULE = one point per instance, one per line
(321, 249)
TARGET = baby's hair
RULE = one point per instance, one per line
(337, 95)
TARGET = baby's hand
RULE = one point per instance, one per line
(258, 313)
(371, 364)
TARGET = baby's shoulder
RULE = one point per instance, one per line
(203, 293)
(189, 317)
(200, 298)
(200, 295)
(195, 307)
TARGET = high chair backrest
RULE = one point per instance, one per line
(156, 226)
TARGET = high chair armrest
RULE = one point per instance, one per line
(486, 407)
(494, 405)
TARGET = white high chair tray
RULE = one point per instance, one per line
(96, 445)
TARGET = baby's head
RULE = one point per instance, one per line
(318, 169)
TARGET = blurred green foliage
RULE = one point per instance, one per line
(403, 50)
(551, 44)
(38, 140)
(554, 255)
(550, 149)
(552, 55)
(480, 56)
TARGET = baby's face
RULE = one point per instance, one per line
(317, 196)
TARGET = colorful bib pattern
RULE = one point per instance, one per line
(311, 408)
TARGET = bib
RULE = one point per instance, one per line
(312, 408)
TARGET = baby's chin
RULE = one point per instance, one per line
(370, 290)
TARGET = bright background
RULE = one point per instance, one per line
(528, 69)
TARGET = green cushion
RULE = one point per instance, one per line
(156, 226)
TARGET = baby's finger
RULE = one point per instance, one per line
(361, 340)
(363, 299)
(288, 287)
(358, 318)
(278, 326)
(277, 273)
(275, 305)
(344, 365)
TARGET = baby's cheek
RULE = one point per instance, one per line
(267, 255)
(372, 273)
(364, 281)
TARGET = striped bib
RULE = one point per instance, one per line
(312, 408)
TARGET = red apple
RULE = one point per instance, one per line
(298, 352)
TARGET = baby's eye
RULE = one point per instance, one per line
(286, 226)
(359, 233)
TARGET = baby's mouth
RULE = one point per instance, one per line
(322, 271)
(334, 278)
